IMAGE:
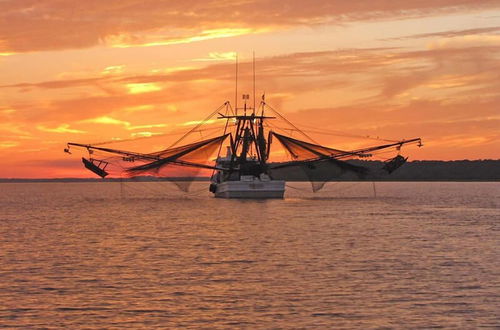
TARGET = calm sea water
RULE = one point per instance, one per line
(144, 255)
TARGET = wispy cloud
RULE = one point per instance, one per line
(106, 120)
(143, 88)
(128, 41)
(12, 128)
(197, 122)
(61, 83)
(7, 111)
(144, 107)
(52, 24)
(8, 144)
(450, 34)
(113, 69)
(147, 126)
(216, 56)
(144, 134)
(63, 128)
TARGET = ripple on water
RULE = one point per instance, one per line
(419, 255)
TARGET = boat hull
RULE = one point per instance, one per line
(252, 189)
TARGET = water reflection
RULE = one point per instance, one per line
(84, 255)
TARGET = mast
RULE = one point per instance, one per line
(236, 87)
(254, 82)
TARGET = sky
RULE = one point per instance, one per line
(92, 71)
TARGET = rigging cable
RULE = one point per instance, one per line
(197, 126)
(289, 123)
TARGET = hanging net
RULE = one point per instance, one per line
(314, 163)
(180, 165)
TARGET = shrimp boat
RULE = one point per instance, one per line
(243, 167)
(243, 172)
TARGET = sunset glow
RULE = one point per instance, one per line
(97, 71)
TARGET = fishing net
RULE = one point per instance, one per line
(301, 150)
(192, 155)
(181, 165)
(313, 163)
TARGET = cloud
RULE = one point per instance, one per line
(450, 33)
(8, 144)
(13, 129)
(146, 126)
(63, 128)
(144, 107)
(217, 56)
(6, 112)
(52, 24)
(143, 88)
(127, 125)
(465, 41)
(62, 83)
(113, 69)
(197, 122)
(127, 41)
(106, 121)
(144, 134)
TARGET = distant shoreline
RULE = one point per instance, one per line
(415, 171)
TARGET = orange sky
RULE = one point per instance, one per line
(89, 71)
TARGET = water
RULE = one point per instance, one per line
(143, 255)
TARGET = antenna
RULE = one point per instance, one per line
(236, 88)
(254, 82)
